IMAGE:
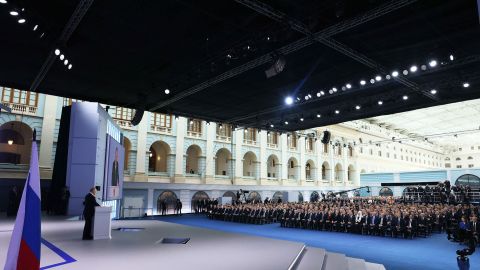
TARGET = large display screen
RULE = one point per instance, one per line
(115, 154)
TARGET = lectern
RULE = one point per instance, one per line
(102, 225)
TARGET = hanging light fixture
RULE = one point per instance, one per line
(10, 141)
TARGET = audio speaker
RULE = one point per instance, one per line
(326, 137)
(137, 117)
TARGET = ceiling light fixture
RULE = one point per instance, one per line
(337, 111)
(35, 27)
(433, 91)
(334, 89)
(289, 100)
(405, 97)
(395, 73)
(167, 91)
(62, 57)
(433, 63)
(57, 52)
(21, 21)
(319, 115)
(363, 82)
(451, 57)
(372, 81)
(318, 94)
(405, 72)
(301, 119)
(3, 1)
(466, 84)
(70, 66)
(14, 13)
(378, 78)
(380, 102)
(271, 125)
(10, 142)
(286, 122)
(413, 68)
(348, 86)
(65, 62)
(357, 107)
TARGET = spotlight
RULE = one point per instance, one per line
(395, 73)
(433, 91)
(413, 68)
(286, 122)
(288, 100)
(405, 72)
(35, 27)
(10, 142)
(387, 77)
(330, 91)
(3, 1)
(357, 107)
(380, 102)
(466, 85)
(271, 125)
(344, 88)
(334, 89)
(62, 57)
(65, 62)
(167, 91)
(451, 57)
(322, 93)
(301, 119)
(319, 115)
(337, 111)
(318, 94)
(348, 86)
(363, 82)
(433, 63)
(306, 97)
(405, 97)
(309, 96)
(13, 13)
(57, 52)
(372, 81)
(70, 66)
(21, 21)
(378, 78)
(423, 67)
(191, 122)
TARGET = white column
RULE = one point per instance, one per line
(48, 128)
(318, 161)
(142, 144)
(284, 157)
(150, 201)
(345, 161)
(331, 155)
(210, 162)
(180, 140)
(237, 155)
(262, 159)
(301, 144)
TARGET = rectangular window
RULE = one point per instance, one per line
(470, 165)
(272, 138)
(250, 135)
(161, 120)
(194, 125)
(224, 130)
(122, 113)
(309, 144)
(459, 166)
(325, 148)
(292, 141)
(15, 96)
(448, 165)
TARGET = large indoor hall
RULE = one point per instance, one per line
(240, 134)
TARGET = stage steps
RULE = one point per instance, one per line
(312, 258)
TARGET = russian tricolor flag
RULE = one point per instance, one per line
(24, 249)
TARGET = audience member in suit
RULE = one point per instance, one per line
(88, 213)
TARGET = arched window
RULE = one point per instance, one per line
(192, 165)
(254, 197)
(457, 159)
(277, 197)
(469, 180)
(198, 196)
(470, 158)
(447, 159)
(159, 153)
(128, 147)
(314, 196)
(385, 191)
(169, 198)
(300, 197)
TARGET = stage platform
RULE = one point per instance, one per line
(207, 249)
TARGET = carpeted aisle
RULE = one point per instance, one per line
(432, 253)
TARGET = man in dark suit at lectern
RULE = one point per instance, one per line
(115, 174)
(88, 213)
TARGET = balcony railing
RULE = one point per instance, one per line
(250, 142)
(160, 129)
(126, 124)
(272, 145)
(309, 151)
(194, 134)
(224, 138)
(292, 148)
(21, 108)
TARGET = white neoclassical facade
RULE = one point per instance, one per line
(190, 157)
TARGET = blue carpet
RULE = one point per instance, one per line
(432, 253)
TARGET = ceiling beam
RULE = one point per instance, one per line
(67, 32)
(290, 48)
(328, 41)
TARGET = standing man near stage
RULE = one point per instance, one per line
(88, 213)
